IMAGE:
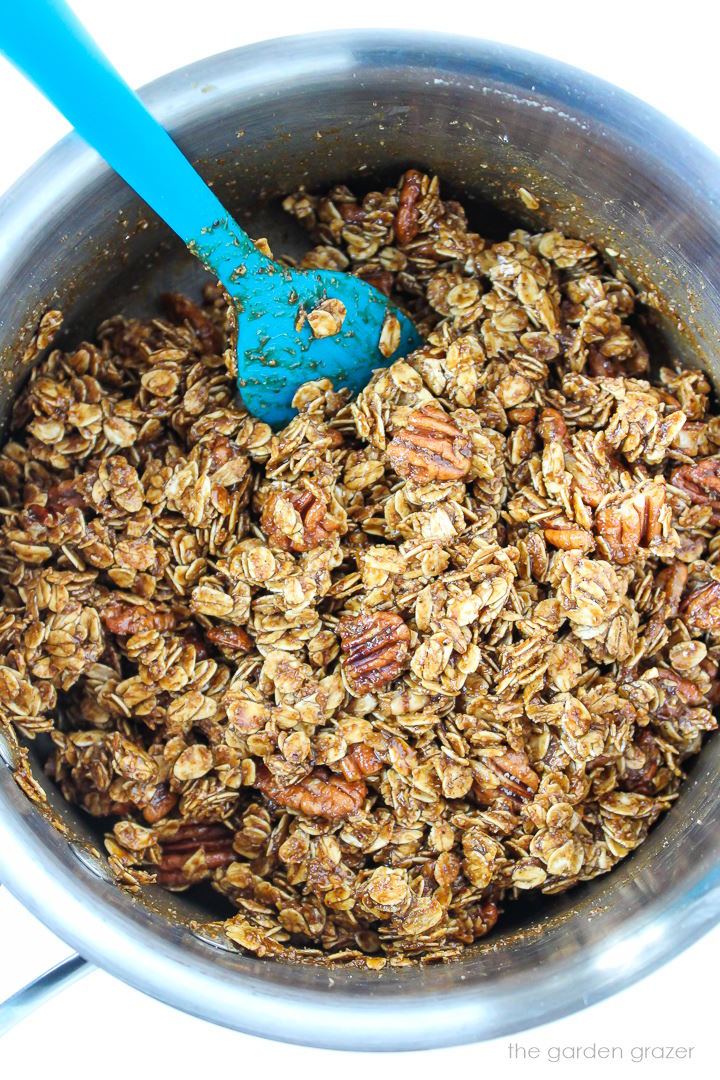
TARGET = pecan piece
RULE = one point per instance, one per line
(406, 218)
(701, 609)
(640, 779)
(710, 667)
(318, 795)
(351, 212)
(163, 801)
(430, 447)
(63, 495)
(181, 309)
(597, 364)
(230, 639)
(126, 619)
(516, 773)
(671, 584)
(625, 523)
(551, 426)
(382, 280)
(701, 482)
(376, 648)
(192, 636)
(569, 538)
(486, 917)
(672, 579)
(359, 761)
(296, 520)
(676, 689)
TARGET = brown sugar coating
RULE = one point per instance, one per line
(376, 675)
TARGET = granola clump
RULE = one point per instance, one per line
(379, 673)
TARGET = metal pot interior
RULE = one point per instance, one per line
(358, 109)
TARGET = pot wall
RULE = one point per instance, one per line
(359, 108)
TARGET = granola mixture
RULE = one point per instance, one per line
(376, 675)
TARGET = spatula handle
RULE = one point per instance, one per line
(48, 43)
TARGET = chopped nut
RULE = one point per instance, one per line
(297, 520)
(509, 774)
(569, 538)
(406, 219)
(162, 803)
(701, 481)
(181, 309)
(701, 609)
(641, 764)
(360, 761)
(125, 619)
(192, 852)
(382, 280)
(230, 639)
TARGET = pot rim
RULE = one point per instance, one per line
(82, 913)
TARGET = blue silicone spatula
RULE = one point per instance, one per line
(277, 347)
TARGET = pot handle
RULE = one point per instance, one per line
(35, 993)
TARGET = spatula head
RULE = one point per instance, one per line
(278, 350)
(279, 346)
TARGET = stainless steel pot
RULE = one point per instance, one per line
(359, 107)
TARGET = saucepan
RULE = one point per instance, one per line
(359, 108)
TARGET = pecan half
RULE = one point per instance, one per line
(625, 523)
(296, 520)
(701, 609)
(376, 649)
(407, 215)
(126, 619)
(318, 795)
(180, 309)
(193, 852)
(701, 481)
(509, 775)
(430, 447)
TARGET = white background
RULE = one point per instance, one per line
(99, 1028)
